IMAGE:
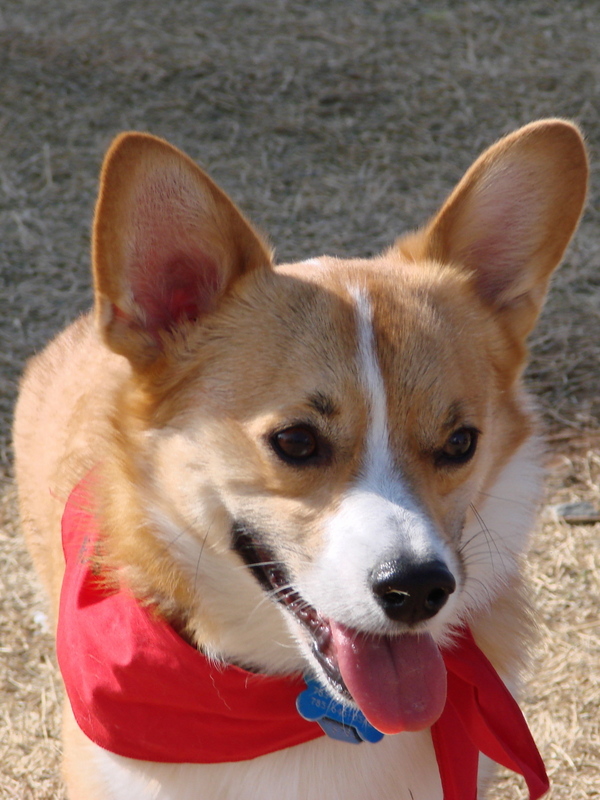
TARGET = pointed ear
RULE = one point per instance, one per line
(511, 217)
(167, 244)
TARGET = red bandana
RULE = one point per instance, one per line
(139, 690)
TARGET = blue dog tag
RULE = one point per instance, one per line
(338, 721)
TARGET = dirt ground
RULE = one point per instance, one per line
(336, 126)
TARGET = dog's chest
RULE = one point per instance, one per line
(399, 767)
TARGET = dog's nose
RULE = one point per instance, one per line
(409, 592)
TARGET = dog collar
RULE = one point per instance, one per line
(139, 690)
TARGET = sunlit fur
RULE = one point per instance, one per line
(199, 350)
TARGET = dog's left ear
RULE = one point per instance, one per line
(167, 245)
(511, 217)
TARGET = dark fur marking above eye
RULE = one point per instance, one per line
(323, 404)
(456, 413)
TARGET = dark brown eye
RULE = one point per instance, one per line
(460, 447)
(295, 444)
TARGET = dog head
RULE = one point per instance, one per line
(330, 462)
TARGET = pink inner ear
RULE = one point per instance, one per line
(498, 262)
(185, 288)
(499, 231)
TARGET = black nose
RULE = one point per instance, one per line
(410, 592)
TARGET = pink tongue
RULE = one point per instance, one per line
(399, 682)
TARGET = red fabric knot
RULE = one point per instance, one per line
(139, 690)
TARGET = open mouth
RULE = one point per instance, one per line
(274, 579)
(398, 681)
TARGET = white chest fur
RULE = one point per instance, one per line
(399, 767)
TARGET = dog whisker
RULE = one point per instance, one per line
(490, 538)
(483, 586)
(200, 554)
(505, 499)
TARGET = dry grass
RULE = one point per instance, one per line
(336, 130)
(563, 697)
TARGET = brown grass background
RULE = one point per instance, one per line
(336, 126)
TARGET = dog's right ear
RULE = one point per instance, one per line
(167, 244)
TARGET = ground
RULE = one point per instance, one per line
(336, 126)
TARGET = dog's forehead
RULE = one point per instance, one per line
(412, 316)
(326, 332)
(411, 328)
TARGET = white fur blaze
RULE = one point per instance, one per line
(378, 518)
(378, 461)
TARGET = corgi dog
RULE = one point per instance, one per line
(325, 469)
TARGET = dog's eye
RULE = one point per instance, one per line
(459, 448)
(297, 444)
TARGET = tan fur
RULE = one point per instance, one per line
(174, 404)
